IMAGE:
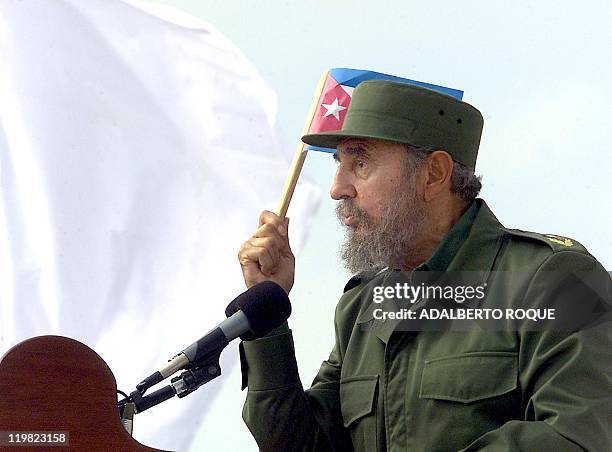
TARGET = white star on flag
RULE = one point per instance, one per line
(333, 109)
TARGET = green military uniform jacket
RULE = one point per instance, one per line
(382, 389)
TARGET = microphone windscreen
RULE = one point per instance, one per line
(266, 306)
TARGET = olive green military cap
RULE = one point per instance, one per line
(408, 114)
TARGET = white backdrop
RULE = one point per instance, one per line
(135, 155)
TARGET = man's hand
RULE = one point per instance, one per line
(267, 256)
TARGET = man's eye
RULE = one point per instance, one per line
(361, 164)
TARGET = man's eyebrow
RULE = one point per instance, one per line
(355, 151)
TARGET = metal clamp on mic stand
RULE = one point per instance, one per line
(188, 381)
(126, 412)
(192, 379)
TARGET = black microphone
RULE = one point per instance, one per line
(252, 314)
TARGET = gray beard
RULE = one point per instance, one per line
(387, 241)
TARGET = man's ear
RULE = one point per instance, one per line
(439, 170)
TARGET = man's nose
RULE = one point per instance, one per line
(342, 187)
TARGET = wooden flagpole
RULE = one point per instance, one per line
(300, 153)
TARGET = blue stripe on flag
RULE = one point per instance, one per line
(353, 77)
(316, 148)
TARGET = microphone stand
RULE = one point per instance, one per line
(189, 380)
(201, 359)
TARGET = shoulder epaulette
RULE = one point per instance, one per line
(555, 242)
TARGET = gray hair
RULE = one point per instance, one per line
(464, 183)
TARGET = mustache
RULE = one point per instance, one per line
(346, 207)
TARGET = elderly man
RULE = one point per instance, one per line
(407, 196)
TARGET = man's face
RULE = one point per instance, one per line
(379, 204)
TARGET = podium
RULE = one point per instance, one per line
(52, 386)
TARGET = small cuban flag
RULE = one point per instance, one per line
(336, 97)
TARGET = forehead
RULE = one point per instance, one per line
(374, 149)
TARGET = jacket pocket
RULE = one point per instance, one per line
(469, 377)
(358, 397)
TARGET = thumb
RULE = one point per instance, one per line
(286, 234)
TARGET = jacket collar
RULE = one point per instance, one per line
(482, 244)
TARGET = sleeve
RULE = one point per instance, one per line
(277, 411)
(565, 369)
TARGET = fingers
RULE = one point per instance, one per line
(273, 245)
(277, 232)
(267, 217)
(259, 256)
(267, 254)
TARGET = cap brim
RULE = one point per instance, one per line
(334, 138)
